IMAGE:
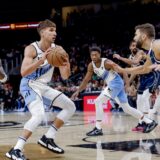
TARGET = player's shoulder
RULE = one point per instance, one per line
(140, 51)
(30, 50)
(156, 46)
(90, 66)
(156, 43)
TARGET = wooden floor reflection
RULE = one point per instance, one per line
(117, 143)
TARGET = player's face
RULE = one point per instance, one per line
(49, 34)
(133, 47)
(95, 56)
(139, 38)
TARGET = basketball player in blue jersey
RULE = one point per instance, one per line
(36, 73)
(145, 38)
(138, 57)
(104, 68)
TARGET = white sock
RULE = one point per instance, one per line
(98, 124)
(51, 132)
(20, 143)
(147, 120)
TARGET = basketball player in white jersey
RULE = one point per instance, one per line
(145, 38)
(36, 73)
(104, 68)
(3, 76)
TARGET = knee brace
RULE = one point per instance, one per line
(38, 114)
(68, 109)
(33, 123)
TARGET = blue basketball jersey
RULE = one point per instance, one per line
(152, 79)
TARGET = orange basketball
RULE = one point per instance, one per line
(57, 56)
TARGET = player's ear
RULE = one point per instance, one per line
(144, 36)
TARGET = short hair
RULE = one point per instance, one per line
(132, 41)
(44, 24)
(148, 29)
(95, 48)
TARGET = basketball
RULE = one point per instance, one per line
(57, 56)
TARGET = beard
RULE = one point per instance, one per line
(139, 42)
(135, 50)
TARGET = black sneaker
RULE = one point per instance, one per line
(15, 154)
(50, 144)
(95, 132)
(149, 127)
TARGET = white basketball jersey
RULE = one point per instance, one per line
(44, 72)
(107, 75)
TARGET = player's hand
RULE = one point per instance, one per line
(66, 61)
(117, 56)
(75, 95)
(48, 51)
(156, 67)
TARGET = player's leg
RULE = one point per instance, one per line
(156, 106)
(97, 131)
(135, 113)
(143, 100)
(68, 109)
(37, 111)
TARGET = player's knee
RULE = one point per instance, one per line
(40, 117)
(67, 111)
(97, 101)
(35, 120)
(71, 107)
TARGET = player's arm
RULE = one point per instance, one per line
(131, 78)
(143, 69)
(84, 82)
(3, 76)
(156, 46)
(135, 61)
(28, 65)
(139, 56)
(87, 78)
(125, 60)
(65, 70)
(110, 65)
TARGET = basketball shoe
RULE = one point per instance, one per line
(95, 132)
(50, 144)
(150, 126)
(15, 154)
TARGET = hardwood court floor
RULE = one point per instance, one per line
(117, 143)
